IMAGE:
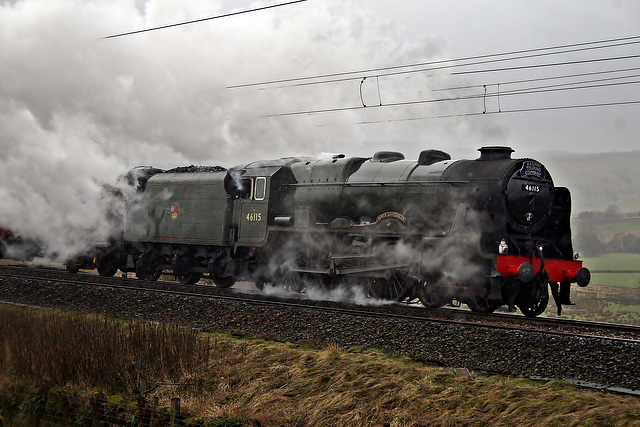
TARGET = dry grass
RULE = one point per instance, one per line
(271, 383)
(285, 384)
(51, 347)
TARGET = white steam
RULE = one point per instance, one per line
(78, 110)
(345, 294)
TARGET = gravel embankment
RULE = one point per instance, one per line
(609, 363)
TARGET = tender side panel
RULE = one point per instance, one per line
(182, 209)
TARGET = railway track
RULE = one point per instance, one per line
(604, 354)
(399, 311)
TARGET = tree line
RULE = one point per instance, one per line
(587, 240)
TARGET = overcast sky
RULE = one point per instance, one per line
(76, 109)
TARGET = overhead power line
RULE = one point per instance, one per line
(485, 70)
(226, 15)
(448, 63)
(515, 110)
(538, 79)
(552, 64)
(575, 81)
(588, 84)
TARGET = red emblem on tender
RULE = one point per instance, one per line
(174, 211)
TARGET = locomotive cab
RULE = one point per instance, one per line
(251, 211)
(264, 201)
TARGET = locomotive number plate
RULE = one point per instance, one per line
(531, 188)
(254, 217)
(253, 223)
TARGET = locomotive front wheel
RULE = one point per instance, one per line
(535, 307)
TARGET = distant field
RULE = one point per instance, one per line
(598, 180)
(606, 230)
(616, 262)
(602, 303)
(629, 225)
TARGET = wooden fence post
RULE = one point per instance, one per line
(99, 408)
(175, 412)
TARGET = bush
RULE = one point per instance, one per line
(587, 242)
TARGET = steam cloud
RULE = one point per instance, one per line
(77, 111)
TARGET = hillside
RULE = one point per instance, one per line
(597, 181)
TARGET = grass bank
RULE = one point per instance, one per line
(136, 367)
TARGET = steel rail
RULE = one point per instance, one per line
(475, 320)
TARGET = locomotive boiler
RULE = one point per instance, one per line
(486, 232)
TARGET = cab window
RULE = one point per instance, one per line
(260, 188)
(238, 187)
(247, 186)
(242, 189)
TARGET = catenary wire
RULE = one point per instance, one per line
(516, 110)
(537, 79)
(524, 91)
(226, 15)
(478, 71)
(449, 63)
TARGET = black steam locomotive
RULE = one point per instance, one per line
(487, 232)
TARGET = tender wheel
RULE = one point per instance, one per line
(189, 278)
(483, 305)
(150, 274)
(431, 295)
(223, 281)
(183, 266)
(538, 304)
(72, 266)
(107, 271)
(147, 269)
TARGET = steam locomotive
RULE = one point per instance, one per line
(487, 232)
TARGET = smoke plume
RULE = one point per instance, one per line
(78, 110)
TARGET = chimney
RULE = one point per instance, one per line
(495, 153)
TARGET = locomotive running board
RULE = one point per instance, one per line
(348, 270)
